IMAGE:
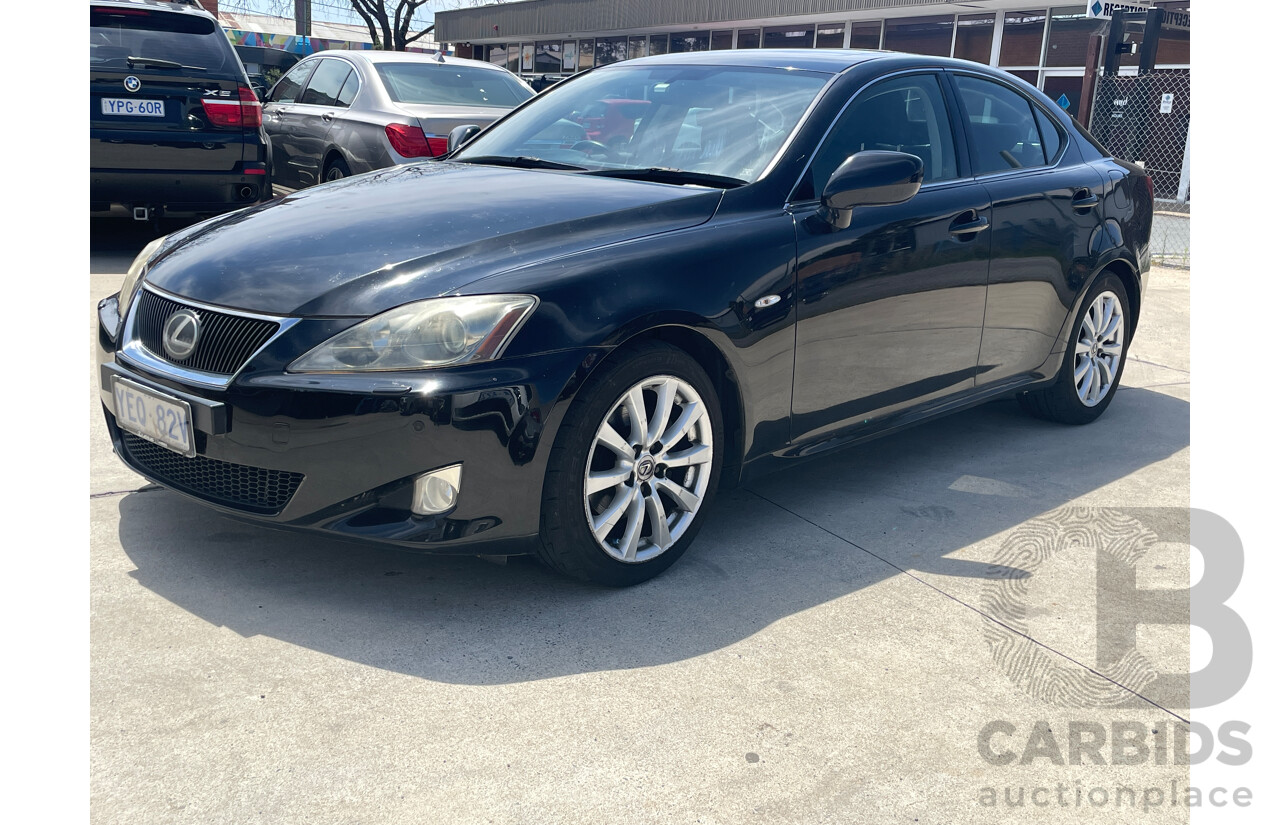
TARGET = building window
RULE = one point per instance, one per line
(796, 36)
(974, 33)
(865, 36)
(658, 44)
(920, 35)
(1069, 33)
(610, 50)
(637, 47)
(831, 35)
(690, 41)
(586, 54)
(748, 38)
(1023, 36)
(546, 57)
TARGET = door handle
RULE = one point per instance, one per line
(1084, 200)
(327, 116)
(969, 228)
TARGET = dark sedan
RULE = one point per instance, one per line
(551, 344)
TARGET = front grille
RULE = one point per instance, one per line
(253, 489)
(226, 341)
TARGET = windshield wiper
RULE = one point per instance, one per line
(157, 63)
(521, 162)
(666, 174)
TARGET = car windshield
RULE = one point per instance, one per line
(451, 84)
(710, 121)
(129, 38)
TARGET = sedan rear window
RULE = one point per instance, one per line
(446, 83)
(125, 38)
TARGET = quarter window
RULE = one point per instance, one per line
(1002, 127)
(905, 114)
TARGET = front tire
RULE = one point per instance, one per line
(634, 468)
(1094, 361)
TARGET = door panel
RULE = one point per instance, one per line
(890, 309)
(281, 122)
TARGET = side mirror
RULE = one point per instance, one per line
(460, 135)
(870, 178)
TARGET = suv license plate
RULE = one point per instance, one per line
(131, 107)
(154, 416)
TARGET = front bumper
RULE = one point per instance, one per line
(339, 453)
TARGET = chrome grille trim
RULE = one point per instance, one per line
(133, 350)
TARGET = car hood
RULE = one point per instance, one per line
(371, 242)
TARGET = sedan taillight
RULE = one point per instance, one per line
(412, 142)
(244, 111)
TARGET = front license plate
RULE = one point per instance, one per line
(131, 107)
(154, 416)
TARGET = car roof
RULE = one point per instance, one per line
(818, 60)
(179, 6)
(832, 61)
(379, 56)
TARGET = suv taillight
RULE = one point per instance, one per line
(244, 110)
(412, 142)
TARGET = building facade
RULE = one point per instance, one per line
(1045, 45)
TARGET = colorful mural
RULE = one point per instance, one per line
(297, 44)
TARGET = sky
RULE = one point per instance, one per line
(329, 11)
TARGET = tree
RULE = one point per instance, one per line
(390, 22)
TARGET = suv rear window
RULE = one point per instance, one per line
(190, 40)
(451, 85)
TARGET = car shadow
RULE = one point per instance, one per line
(465, 621)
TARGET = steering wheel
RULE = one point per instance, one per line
(771, 119)
(593, 147)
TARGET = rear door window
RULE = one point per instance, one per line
(1002, 128)
(122, 39)
(326, 83)
(290, 86)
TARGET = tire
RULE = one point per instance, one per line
(1068, 401)
(634, 518)
(337, 169)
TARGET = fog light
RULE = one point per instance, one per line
(437, 491)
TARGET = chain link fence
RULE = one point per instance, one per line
(1146, 119)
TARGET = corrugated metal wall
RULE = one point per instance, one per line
(559, 17)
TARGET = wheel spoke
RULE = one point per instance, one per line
(612, 439)
(1090, 327)
(683, 497)
(1083, 347)
(1104, 367)
(606, 521)
(661, 411)
(658, 532)
(1082, 369)
(605, 479)
(697, 454)
(1112, 350)
(688, 416)
(635, 520)
(635, 409)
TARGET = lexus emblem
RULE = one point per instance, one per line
(181, 333)
(132, 84)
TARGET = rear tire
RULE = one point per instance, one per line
(619, 506)
(336, 169)
(1094, 362)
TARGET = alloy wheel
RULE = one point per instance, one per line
(1099, 348)
(648, 469)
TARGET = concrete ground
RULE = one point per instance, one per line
(832, 649)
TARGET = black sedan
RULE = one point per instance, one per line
(546, 344)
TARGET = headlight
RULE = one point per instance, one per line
(134, 277)
(436, 332)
